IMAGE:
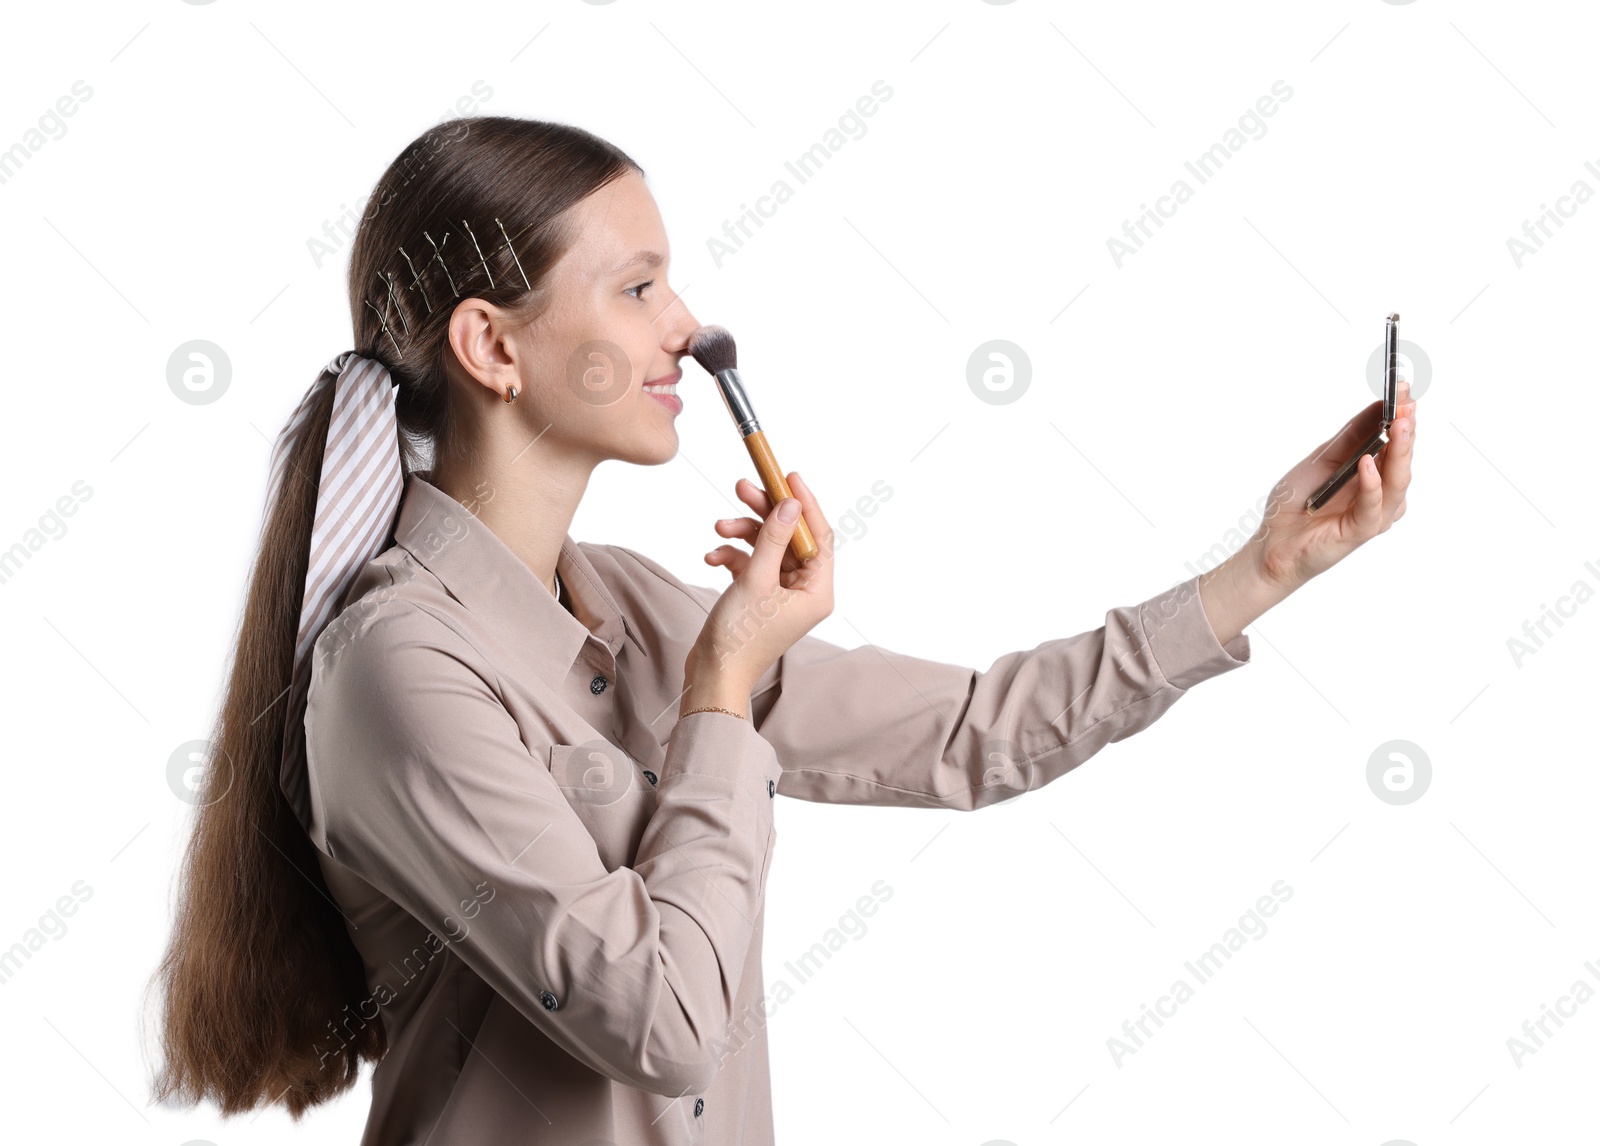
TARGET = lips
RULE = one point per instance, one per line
(668, 399)
(665, 390)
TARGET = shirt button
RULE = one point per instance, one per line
(597, 685)
(699, 1105)
(649, 775)
(772, 789)
(548, 1000)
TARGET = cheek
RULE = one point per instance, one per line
(612, 347)
(598, 370)
(635, 354)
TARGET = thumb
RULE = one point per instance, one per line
(1368, 506)
(773, 539)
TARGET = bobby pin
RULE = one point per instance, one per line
(513, 251)
(383, 327)
(438, 258)
(479, 249)
(388, 281)
(416, 281)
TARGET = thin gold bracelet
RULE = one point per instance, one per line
(712, 708)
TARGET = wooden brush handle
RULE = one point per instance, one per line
(802, 544)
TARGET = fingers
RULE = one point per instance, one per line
(743, 528)
(734, 560)
(759, 535)
(772, 542)
(756, 498)
(753, 496)
(746, 529)
(1367, 509)
(1397, 456)
(1357, 430)
(816, 520)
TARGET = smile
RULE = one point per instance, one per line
(667, 395)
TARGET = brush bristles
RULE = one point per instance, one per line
(713, 348)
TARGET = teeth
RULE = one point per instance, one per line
(669, 388)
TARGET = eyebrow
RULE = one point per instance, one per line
(648, 257)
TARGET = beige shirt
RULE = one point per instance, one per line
(557, 886)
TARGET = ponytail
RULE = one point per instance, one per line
(259, 963)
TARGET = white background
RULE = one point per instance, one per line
(1165, 400)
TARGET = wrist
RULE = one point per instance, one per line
(728, 700)
(1237, 592)
(712, 688)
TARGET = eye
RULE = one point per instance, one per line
(641, 287)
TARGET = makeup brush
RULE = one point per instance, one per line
(713, 348)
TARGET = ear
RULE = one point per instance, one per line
(479, 336)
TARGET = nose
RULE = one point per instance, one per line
(677, 324)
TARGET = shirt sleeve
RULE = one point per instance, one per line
(867, 725)
(423, 786)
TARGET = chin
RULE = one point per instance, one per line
(654, 448)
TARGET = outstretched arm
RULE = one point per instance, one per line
(871, 726)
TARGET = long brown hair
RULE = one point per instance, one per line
(259, 968)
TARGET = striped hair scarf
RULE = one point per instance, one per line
(358, 497)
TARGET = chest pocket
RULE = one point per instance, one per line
(609, 793)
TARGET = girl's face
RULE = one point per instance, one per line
(613, 325)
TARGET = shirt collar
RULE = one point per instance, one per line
(493, 583)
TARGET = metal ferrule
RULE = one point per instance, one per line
(731, 387)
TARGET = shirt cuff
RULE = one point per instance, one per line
(1181, 638)
(723, 747)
